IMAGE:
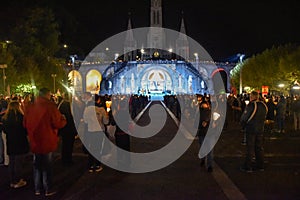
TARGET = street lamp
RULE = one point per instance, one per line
(281, 85)
(142, 53)
(73, 58)
(3, 66)
(241, 56)
(4, 77)
(53, 76)
(116, 56)
(296, 87)
(197, 61)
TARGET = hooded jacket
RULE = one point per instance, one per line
(42, 120)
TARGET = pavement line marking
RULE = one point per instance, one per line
(170, 113)
(139, 115)
(185, 132)
(229, 188)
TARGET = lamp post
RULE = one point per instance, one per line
(4, 66)
(170, 52)
(142, 54)
(281, 87)
(197, 61)
(241, 56)
(73, 58)
(53, 76)
(4, 77)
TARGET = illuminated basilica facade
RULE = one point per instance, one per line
(150, 71)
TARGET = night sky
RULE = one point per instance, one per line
(223, 28)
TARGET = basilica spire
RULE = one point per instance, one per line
(129, 35)
(182, 27)
(130, 43)
(182, 43)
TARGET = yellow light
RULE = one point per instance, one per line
(108, 105)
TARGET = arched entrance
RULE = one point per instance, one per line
(219, 87)
(156, 81)
(76, 80)
(93, 80)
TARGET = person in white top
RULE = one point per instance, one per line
(95, 119)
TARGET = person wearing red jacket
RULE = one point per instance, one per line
(42, 120)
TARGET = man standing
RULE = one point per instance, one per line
(68, 132)
(204, 121)
(42, 120)
(296, 110)
(281, 113)
(253, 120)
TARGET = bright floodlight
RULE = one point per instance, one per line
(281, 85)
(296, 87)
(241, 57)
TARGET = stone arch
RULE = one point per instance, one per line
(76, 80)
(164, 77)
(93, 81)
(220, 87)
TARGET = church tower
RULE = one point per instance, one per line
(156, 36)
(156, 13)
(182, 43)
(130, 43)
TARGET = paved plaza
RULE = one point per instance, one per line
(183, 179)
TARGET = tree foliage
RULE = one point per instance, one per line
(32, 53)
(271, 67)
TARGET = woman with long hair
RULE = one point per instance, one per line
(17, 142)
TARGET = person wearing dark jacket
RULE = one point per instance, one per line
(121, 120)
(253, 119)
(68, 132)
(270, 118)
(17, 143)
(281, 114)
(205, 117)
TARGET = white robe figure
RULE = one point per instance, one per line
(132, 83)
(190, 84)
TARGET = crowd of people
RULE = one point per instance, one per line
(281, 110)
(33, 125)
(271, 114)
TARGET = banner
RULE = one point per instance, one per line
(264, 90)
